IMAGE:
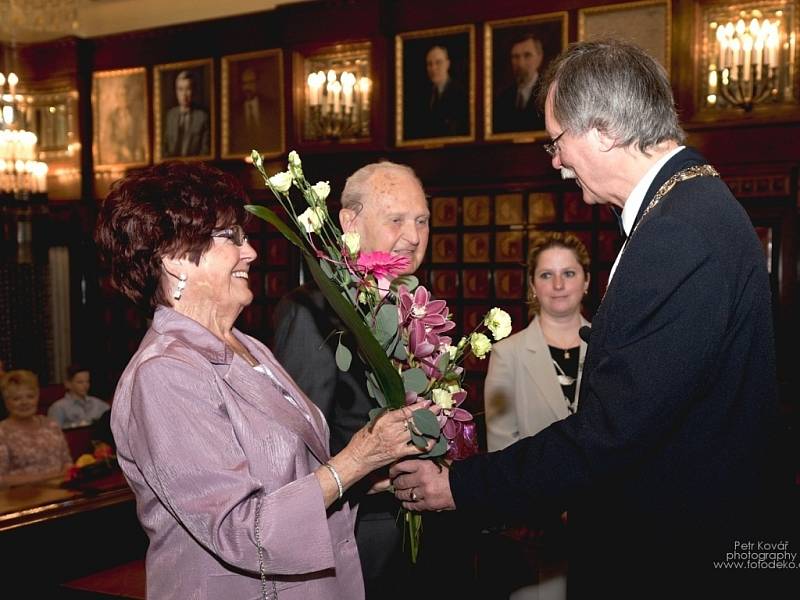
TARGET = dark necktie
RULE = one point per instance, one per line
(182, 123)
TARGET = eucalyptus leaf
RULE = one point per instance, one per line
(420, 441)
(343, 356)
(410, 281)
(375, 413)
(438, 450)
(375, 392)
(386, 323)
(415, 380)
(400, 351)
(444, 360)
(425, 421)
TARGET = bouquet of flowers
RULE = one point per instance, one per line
(400, 330)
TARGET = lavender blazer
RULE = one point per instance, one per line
(200, 436)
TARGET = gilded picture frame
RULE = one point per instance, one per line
(183, 110)
(252, 104)
(647, 24)
(121, 121)
(435, 86)
(516, 54)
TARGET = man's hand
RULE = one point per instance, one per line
(422, 485)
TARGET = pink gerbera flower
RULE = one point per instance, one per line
(382, 264)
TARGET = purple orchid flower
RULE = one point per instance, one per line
(433, 314)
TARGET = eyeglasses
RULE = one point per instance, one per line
(552, 147)
(235, 234)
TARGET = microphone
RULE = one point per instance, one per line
(584, 333)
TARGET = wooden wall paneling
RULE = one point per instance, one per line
(737, 144)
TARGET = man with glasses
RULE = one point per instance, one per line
(665, 469)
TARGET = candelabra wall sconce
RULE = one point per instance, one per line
(750, 55)
(21, 173)
(337, 94)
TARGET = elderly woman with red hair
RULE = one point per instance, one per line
(228, 459)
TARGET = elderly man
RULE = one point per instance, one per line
(515, 107)
(385, 204)
(664, 469)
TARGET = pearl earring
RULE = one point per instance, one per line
(180, 286)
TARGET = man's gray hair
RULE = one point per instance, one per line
(615, 87)
(363, 184)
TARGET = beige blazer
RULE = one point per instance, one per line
(522, 395)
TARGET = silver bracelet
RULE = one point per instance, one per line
(338, 479)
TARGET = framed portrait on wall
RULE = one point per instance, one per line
(517, 52)
(120, 118)
(183, 109)
(435, 86)
(646, 24)
(252, 104)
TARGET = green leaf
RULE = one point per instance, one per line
(409, 281)
(375, 413)
(326, 268)
(386, 323)
(415, 380)
(343, 356)
(444, 360)
(438, 450)
(420, 441)
(374, 391)
(400, 351)
(268, 215)
(425, 421)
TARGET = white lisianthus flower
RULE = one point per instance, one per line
(281, 181)
(311, 219)
(294, 160)
(454, 388)
(442, 398)
(451, 350)
(256, 158)
(321, 189)
(480, 345)
(352, 241)
(499, 323)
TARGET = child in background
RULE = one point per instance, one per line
(77, 408)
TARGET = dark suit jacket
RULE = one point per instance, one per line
(447, 116)
(507, 117)
(665, 464)
(265, 136)
(305, 348)
(199, 133)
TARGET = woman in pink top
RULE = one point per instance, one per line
(32, 447)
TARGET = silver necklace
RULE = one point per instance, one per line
(566, 380)
(562, 377)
